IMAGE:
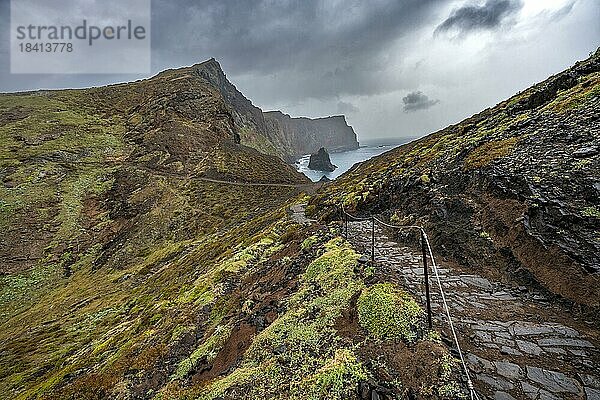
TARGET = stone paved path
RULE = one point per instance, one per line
(518, 345)
(298, 215)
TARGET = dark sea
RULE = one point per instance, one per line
(346, 159)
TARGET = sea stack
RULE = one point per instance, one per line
(320, 161)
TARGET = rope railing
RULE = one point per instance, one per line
(426, 248)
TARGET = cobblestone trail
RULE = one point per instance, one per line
(517, 344)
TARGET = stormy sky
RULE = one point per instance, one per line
(396, 68)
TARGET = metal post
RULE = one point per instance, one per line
(342, 216)
(346, 225)
(426, 270)
(373, 239)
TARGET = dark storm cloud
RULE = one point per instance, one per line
(471, 17)
(316, 48)
(417, 101)
(327, 48)
(260, 34)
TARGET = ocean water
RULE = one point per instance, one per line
(346, 159)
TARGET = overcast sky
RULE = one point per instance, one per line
(396, 68)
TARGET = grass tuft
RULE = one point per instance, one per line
(387, 313)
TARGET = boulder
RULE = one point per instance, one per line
(320, 161)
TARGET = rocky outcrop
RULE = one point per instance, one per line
(274, 132)
(320, 161)
(248, 118)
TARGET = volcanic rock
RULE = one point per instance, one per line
(320, 161)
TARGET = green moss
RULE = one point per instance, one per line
(239, 376)
(206, 287)
(488, 152)
(591, 212)
(577, 96)
(337, 379)
(433, 336)
(309, 242)
(18, 290)
(387, 313)
(300, 354)
(329, 270)
(155, 319)
(447, 365)
(451, 390)
(180, 331)
(582, 164)
(168, 250)
(53, 380)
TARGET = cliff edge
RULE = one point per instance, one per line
(274, 132)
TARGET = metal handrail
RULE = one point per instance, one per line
(425, 248)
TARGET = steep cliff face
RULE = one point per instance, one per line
(512, 191)
(274, 132)
(248, 118)
(306, 135)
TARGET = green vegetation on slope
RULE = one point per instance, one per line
(387, 313)
(310, 358)
(302, 355)
(110, 321)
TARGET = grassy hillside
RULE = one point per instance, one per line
(99, 186)
(512, 192)
(147, 254)
(61, 150)
(114, 294)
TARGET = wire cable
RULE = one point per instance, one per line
(450, 323)
(470, 386)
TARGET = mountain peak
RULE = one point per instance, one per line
(210, 63)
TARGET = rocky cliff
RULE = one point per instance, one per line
(306, 135)
(513, 192)
(274, 132)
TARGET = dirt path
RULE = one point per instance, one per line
(518, 344)
(291, 185)
(308, 187)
